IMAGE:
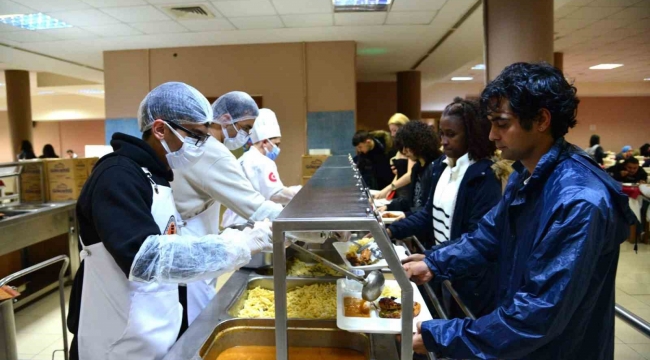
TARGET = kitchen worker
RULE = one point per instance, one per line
(217, 179)
(258, 164)
(554, 236)
(126, 302)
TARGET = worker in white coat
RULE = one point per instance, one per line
(258, 164)
(127, 301)
(217, 179)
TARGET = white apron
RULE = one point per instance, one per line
(122, 319)
(200, 293)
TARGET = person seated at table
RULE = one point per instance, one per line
(464, 189)
(625, 153)
(629, 172)
(644, 151)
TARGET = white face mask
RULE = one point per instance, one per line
(183, 158)
(238, 141)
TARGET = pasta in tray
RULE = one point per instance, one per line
(317, 301)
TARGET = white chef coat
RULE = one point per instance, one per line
(444, 198)
(262, 173)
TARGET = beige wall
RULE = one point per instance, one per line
(283, 74)
(619, 121)
(5, 139)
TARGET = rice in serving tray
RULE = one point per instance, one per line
(317, 301)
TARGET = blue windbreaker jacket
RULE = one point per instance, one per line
(556, 242)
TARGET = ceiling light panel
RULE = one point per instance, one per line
(257, 22)
(462, 78)
(605, 66)
(410, 18)
(291, 7)
(244, 8)
(308, 20)
(417, 5)
(91, 17)
(37, 21)
(361, 5)
(135, 14)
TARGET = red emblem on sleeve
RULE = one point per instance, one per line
(272, 177)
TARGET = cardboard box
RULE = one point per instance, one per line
(305, 179)
(30, 183)
(311, 163)
(90, 164)
(64, 189)
(57, 169)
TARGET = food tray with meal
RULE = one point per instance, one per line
(365, 254)
(389, 217)
(382, 316)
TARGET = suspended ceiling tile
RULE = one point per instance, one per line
(160, 27)
(133, 14)
(309, 20)
(359, 19)
(244, 8)
(417, 5)
(114, 3)
(113, 30)
(208, 25)
(257, 22)
(292, 7)
(90, 17)
(70, 33)
(410, 18)
(55, 5)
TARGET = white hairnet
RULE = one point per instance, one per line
(233, 107)
(183, 259)
(174, 101)
(266, 126)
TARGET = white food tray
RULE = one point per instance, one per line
(390, 220)
(382, 202)
(342, 249)
(374, 324)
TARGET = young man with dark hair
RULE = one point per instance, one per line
(629, 171)
(554, 236)
(373, 157)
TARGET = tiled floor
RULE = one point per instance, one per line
(40, 333)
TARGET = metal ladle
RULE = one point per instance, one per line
(373, 284)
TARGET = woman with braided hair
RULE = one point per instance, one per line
(464, 188)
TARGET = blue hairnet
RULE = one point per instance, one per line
(627, 148)
(233, 107)
(174, 101)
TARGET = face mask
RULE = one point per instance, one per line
(238, 141)
(274, 153)
(183, 158)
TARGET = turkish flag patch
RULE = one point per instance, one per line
(272, 177)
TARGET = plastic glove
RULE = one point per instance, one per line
(259, 238)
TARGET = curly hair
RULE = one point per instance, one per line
(420, 139)
(477, 131)
(529, 88)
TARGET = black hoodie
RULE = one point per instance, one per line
(114, 207)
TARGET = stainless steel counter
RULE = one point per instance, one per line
(216, 313)
(28, 224)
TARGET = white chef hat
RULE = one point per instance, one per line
(266, 126)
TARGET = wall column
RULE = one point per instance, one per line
(409, 99)
(19, 108)
(517, 31)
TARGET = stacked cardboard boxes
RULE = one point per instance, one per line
(30, 183)
(311, 163)
(64, 179)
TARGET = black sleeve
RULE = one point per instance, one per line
(600, 155)
(121, 207)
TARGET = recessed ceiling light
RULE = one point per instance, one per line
(646, 79)
(360, 5)
(2, 84)
(478, 67)
(462, 78)
(33, 21)
(91, 91)
(605, 66)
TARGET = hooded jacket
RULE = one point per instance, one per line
(555, 240)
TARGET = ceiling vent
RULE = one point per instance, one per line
(191, 12)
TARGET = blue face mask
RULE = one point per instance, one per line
(274, 153)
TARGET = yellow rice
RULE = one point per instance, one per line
(353, 248)
(392, 291)
(299, 268)
(317, 301)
